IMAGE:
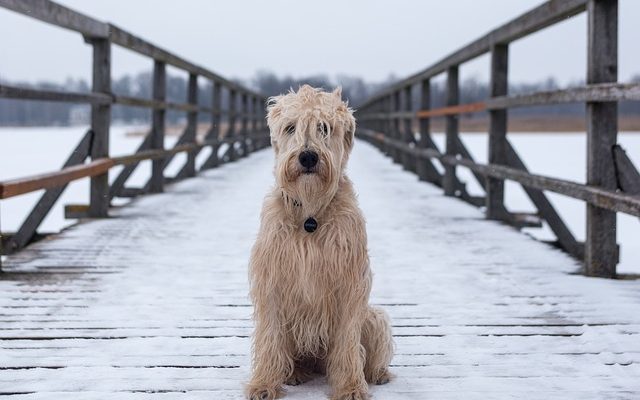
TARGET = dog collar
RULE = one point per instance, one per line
(310, 224)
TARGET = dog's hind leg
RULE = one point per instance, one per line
(378, 344)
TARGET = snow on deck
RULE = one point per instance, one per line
(152, 303)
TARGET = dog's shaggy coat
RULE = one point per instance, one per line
(310, 290)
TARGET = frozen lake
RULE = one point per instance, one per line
(26, 151)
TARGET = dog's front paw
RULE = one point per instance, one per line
(383, 378)
(298, 377)
(262, 393)
(354, 395)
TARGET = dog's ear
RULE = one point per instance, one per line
(274, 111)
(338, 92)
(349, 130)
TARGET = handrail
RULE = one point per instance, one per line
(95, 143)
(535, 20)
(387, 118)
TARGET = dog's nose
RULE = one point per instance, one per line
(308, 159)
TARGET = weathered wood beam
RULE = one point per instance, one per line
(603, 198)
(499, 86)
(627, 174)
(424, 168)
(602, 131)
(118, 184)
(100, 124)
(537, 19)
(58, 15)
(14, 92)
(156, 182)
(449, 181)
(29, 227)
(192, 124)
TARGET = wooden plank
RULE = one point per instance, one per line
(449, 180)
(16, 187)
(408, 161)
(100, 124)
(192, 124)
(532, 21)
(28, 229)
(14, 92)
(452, 110)
(244, 124)
(156, 104)
(627, 174)
(589, 93)
(424, 168)
(156, 182)
(214, 131)
(499, 86)
(594, 195)
(56, 14)
(602, 131)
(231, 130)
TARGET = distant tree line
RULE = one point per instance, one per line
(355, 89)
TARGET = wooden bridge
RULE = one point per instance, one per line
(150, 300)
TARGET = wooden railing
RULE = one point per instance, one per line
(246, 130)
(613, 183)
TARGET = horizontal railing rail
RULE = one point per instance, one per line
(243, 115)
(387, 119)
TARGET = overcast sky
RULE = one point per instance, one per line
(369, 38)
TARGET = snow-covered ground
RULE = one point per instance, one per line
(25, 151)
(152, 303)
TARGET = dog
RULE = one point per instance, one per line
(309, 268)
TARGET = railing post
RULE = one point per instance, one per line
(601, 252)
(244, 127)
(449, 181)
(497, 131)
(424, 168)
(231, 130)
(100, 123)
(159, 89)
(409, 161)
(192, 124)
(397, 125)
(255, 141)
(213, 135)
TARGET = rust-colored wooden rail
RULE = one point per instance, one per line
(613, 183)
(94, 145)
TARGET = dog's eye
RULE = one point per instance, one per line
(290, 129)
(323, 128)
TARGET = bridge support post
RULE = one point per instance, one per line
(601, 252)
(231, 130)
(214, 131)
(397, 126)
(159, 89)
(244, 127)
(100, 123)
(497, 131)
(425, 169)
(409, 161)
(192, 124)
(449, 182)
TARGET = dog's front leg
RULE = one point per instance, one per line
(272, 361)
(346, 358)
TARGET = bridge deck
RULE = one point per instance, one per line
(153, 302)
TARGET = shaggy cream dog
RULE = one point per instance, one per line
(309, 268)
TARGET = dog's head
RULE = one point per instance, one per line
(312, 135)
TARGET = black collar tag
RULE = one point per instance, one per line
(310, 225)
